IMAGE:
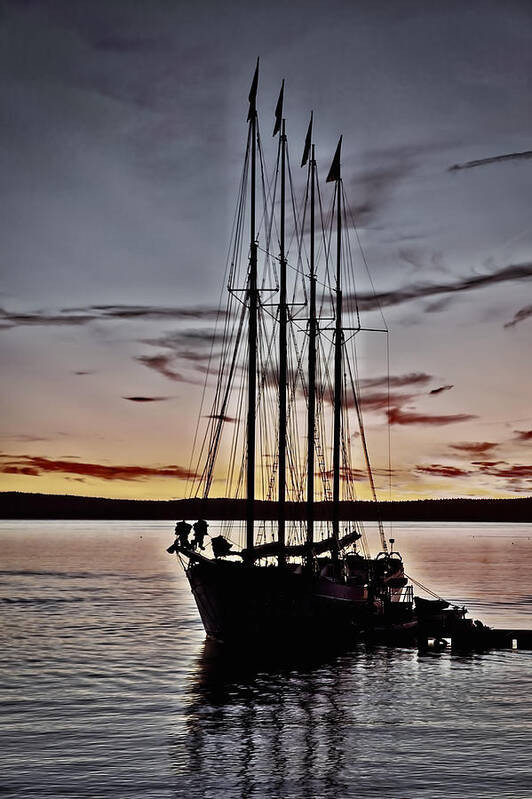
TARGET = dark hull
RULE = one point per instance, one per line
(238, 602)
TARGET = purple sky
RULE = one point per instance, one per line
(122, 135)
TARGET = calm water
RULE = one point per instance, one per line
(109, 690)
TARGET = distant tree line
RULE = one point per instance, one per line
(19, 505)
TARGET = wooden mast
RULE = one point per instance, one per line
(313, 331)
(334, 174)
(252, 326)
(283, 321)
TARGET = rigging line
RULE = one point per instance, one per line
(291, 266)
(349, 259)
(303, 214)
(269, 202)
(386, 329)
(388, 402)
(349, 476)
(325, 387)
(366, 264)
(267, 199)
(229, 337)
(298, 228)
(239, 427)
(297, 372)
(210, 428)
(213, 450)
(326, 223)
(236, 440)
(299, 242)
(424, 588)
(268, 365)
(227, 272)
(240, 212)
(366, 453)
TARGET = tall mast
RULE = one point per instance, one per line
(252, 325)
(283, 320)
(334, 174)
(313, 331)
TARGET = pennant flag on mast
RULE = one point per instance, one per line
(279, 111)
(308, 141)
(334, 171)
(253, 93)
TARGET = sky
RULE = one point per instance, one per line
(122, 136)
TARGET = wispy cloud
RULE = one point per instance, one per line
(440, 389)
(156, 312)
(347, 474)
(441, 470)
(92, 313)
(378, 400)
(221, 416)
(517, 477)
(475, 447)
(396, 381)
(520, 316)
(400, 417)
(375, 187)
(523, 435)
(163, 365)
(370, 301)
(146, 399)
(25, 437)
(494, 159)
(8, 320)
(178, 339)
(37, 465)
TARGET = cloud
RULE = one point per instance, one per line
(495, 159)
(371, 301)
(187, 338)
(486, 464)
(157, 312)
(162, 364)
(146, 399)
(440, 389)
(475, 447)
(8, 320)
(518, 477)
(399, 417)
(38, 465)
(23, 437)
(523, 435)
(192, 355)
(85, 372)
(378, 400)
(92, 313)
(220, 416)
(395, 400)
(439, 470)
(375, 188)
(396, 381)
(511, 472)
(520, 316)
(346, 474)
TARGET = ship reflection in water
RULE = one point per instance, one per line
(265, 725)
(369, 722)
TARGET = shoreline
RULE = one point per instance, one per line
(20, 505)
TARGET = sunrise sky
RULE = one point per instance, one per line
(122, 135)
